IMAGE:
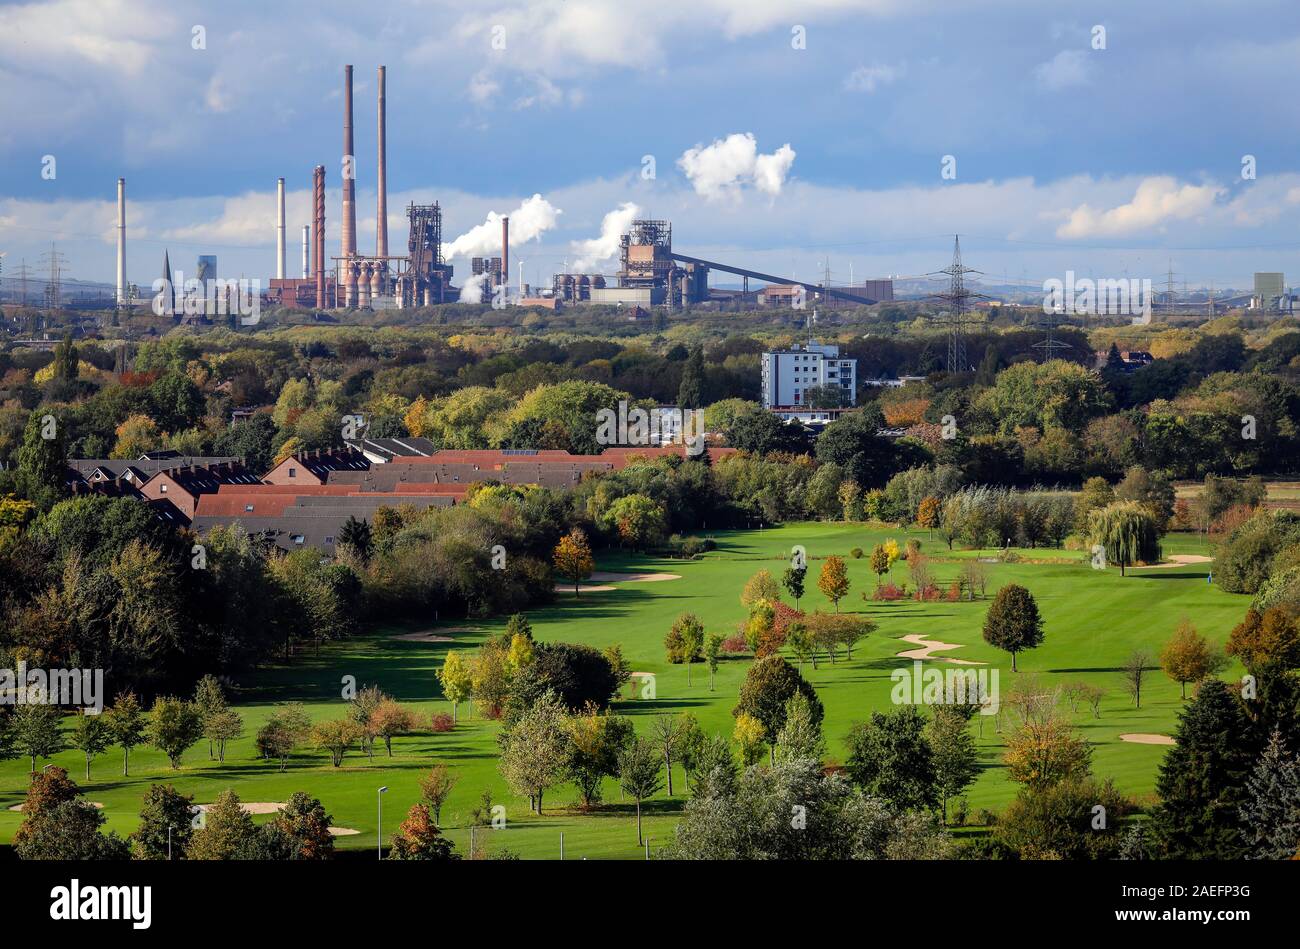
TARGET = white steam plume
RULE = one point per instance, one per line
(728, 165)
(596, 251)
(528, 222)
(471, 291)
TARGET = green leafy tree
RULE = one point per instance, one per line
(165, 815)
(891, 758)
(128, 724)
(712, 654)
(91, 736)
(793, 581)
(1271, 810)
(535, 749)
(1012, 623)
(638, 775)
(457, 681)
(955, 757)
(210, 700)
(801, 735)
(302, 829)
(226, 833)
(1127, 532)
(174, 726)
(769, 684)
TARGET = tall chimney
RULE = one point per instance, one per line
(121, 241)
(505, 253)
(381, 211)
(318, 189)
(349, 245)
(306, 251)
(279, 229)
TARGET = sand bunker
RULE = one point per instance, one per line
(930, 646)
(568, 588)
(343, 831)
(252, 807)
(1177, 560)
(601, 576)
(1147, 739)
(19, 807)
(429, 636)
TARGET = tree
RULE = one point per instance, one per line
(1271, 638)
(690, 394)
(712, 653)
(749, 734)
(90, 736)
(390, 720)
(927, 513)
(535, 749)
(955, 757)
(68, 831)
(301, 829)
(1127, 532)
(336, 737)
(43, 461)
(801, 735)
(880, 561)
(891, 758)
(287, 727)
(1202, 780)
(1187, 657)
(638, 775)
(1135, 669)
(362, 712)
(128, 725)
(768, 686)
(667, 731)
(34, 731)
(760, 588)
(209, 700)
(174, 726)
(833, 580)
(1271, 810)
(597, 740)
(456, 679)
(226, 831)
(685, 640)
(1012, 623)
(793, 581)
(357, 537)
(436, 787)
(1046, 751)
(573, 558)
(165, 815)
(418, 838)
(224, 726)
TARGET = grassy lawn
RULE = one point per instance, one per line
(1093, 621)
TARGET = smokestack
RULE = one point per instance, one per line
(505, 252)
(381, 211)
(279, 229)
(318, 190)
(121, 241)
(349, 171)
(306, 251)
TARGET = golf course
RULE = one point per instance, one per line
(1093, 621)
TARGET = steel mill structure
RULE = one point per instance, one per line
(650, 272)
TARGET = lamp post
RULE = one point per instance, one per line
(169, 841)
(379, 845)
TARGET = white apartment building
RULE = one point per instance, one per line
(788, 374)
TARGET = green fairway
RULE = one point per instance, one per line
(1093, 620)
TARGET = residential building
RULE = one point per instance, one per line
(788, 374)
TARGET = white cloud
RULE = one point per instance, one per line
(1155, 202)
(1067, 68)
(869, 78)
(595, 251)
(728, 165)
(528, 222)
(483, 88)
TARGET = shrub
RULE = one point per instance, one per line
(986, 817)
(735, 645)
(960, 811)
(856, 553)
(442, 722)
(888, 592)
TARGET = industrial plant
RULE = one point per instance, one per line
(650, 272)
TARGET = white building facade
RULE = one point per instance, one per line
(788, 374)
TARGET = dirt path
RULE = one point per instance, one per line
(930, 646)
(1139, 738)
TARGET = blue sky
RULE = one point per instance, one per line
(1112, 161)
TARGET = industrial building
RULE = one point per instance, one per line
(788, 374)
(1270, 292)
